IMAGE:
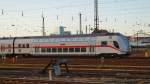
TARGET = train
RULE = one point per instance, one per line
(84, 45)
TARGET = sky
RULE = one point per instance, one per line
(23, 17)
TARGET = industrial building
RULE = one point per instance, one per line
(140, 39)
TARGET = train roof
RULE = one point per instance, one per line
(68, 36)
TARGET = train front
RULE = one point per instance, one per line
(124, 42)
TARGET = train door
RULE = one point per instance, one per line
(101, 45)
(92, 47)
(98, 45)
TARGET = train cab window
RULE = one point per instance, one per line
(77, 49)
(104, 43)
(43, 50)
(65, 49)
(59, 49)
(48, 49)
(54, 50)
(71, 49)
(116, 44)
(83, 49)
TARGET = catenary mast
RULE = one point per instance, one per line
(43, 25)
(96, 17)
(96, 20)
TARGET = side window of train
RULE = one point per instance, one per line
(43, 49)
(83, 49)
(71, 49)
(54, 50)
(49, 50)
(116, 44)
(103, 43)
(27, 45)
(37, 50)
(19, 45)
(65, 49)
(59, 49)
(77, 49)
(23, 45)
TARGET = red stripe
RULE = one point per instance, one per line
(61, 46)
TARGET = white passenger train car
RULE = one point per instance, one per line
(6, 46)
(109, 44)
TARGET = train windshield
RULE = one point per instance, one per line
(116, 44)
(125, 40)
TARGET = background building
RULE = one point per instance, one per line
(140, 39)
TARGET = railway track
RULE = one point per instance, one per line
(83, 68)
(93, 74)
(7, 80)
(39, 66)
(111, 70)
(41, 60)
(134, 69)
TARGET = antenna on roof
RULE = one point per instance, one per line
(43, 25)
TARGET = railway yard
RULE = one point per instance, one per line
(42, 42)
(134, 69)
